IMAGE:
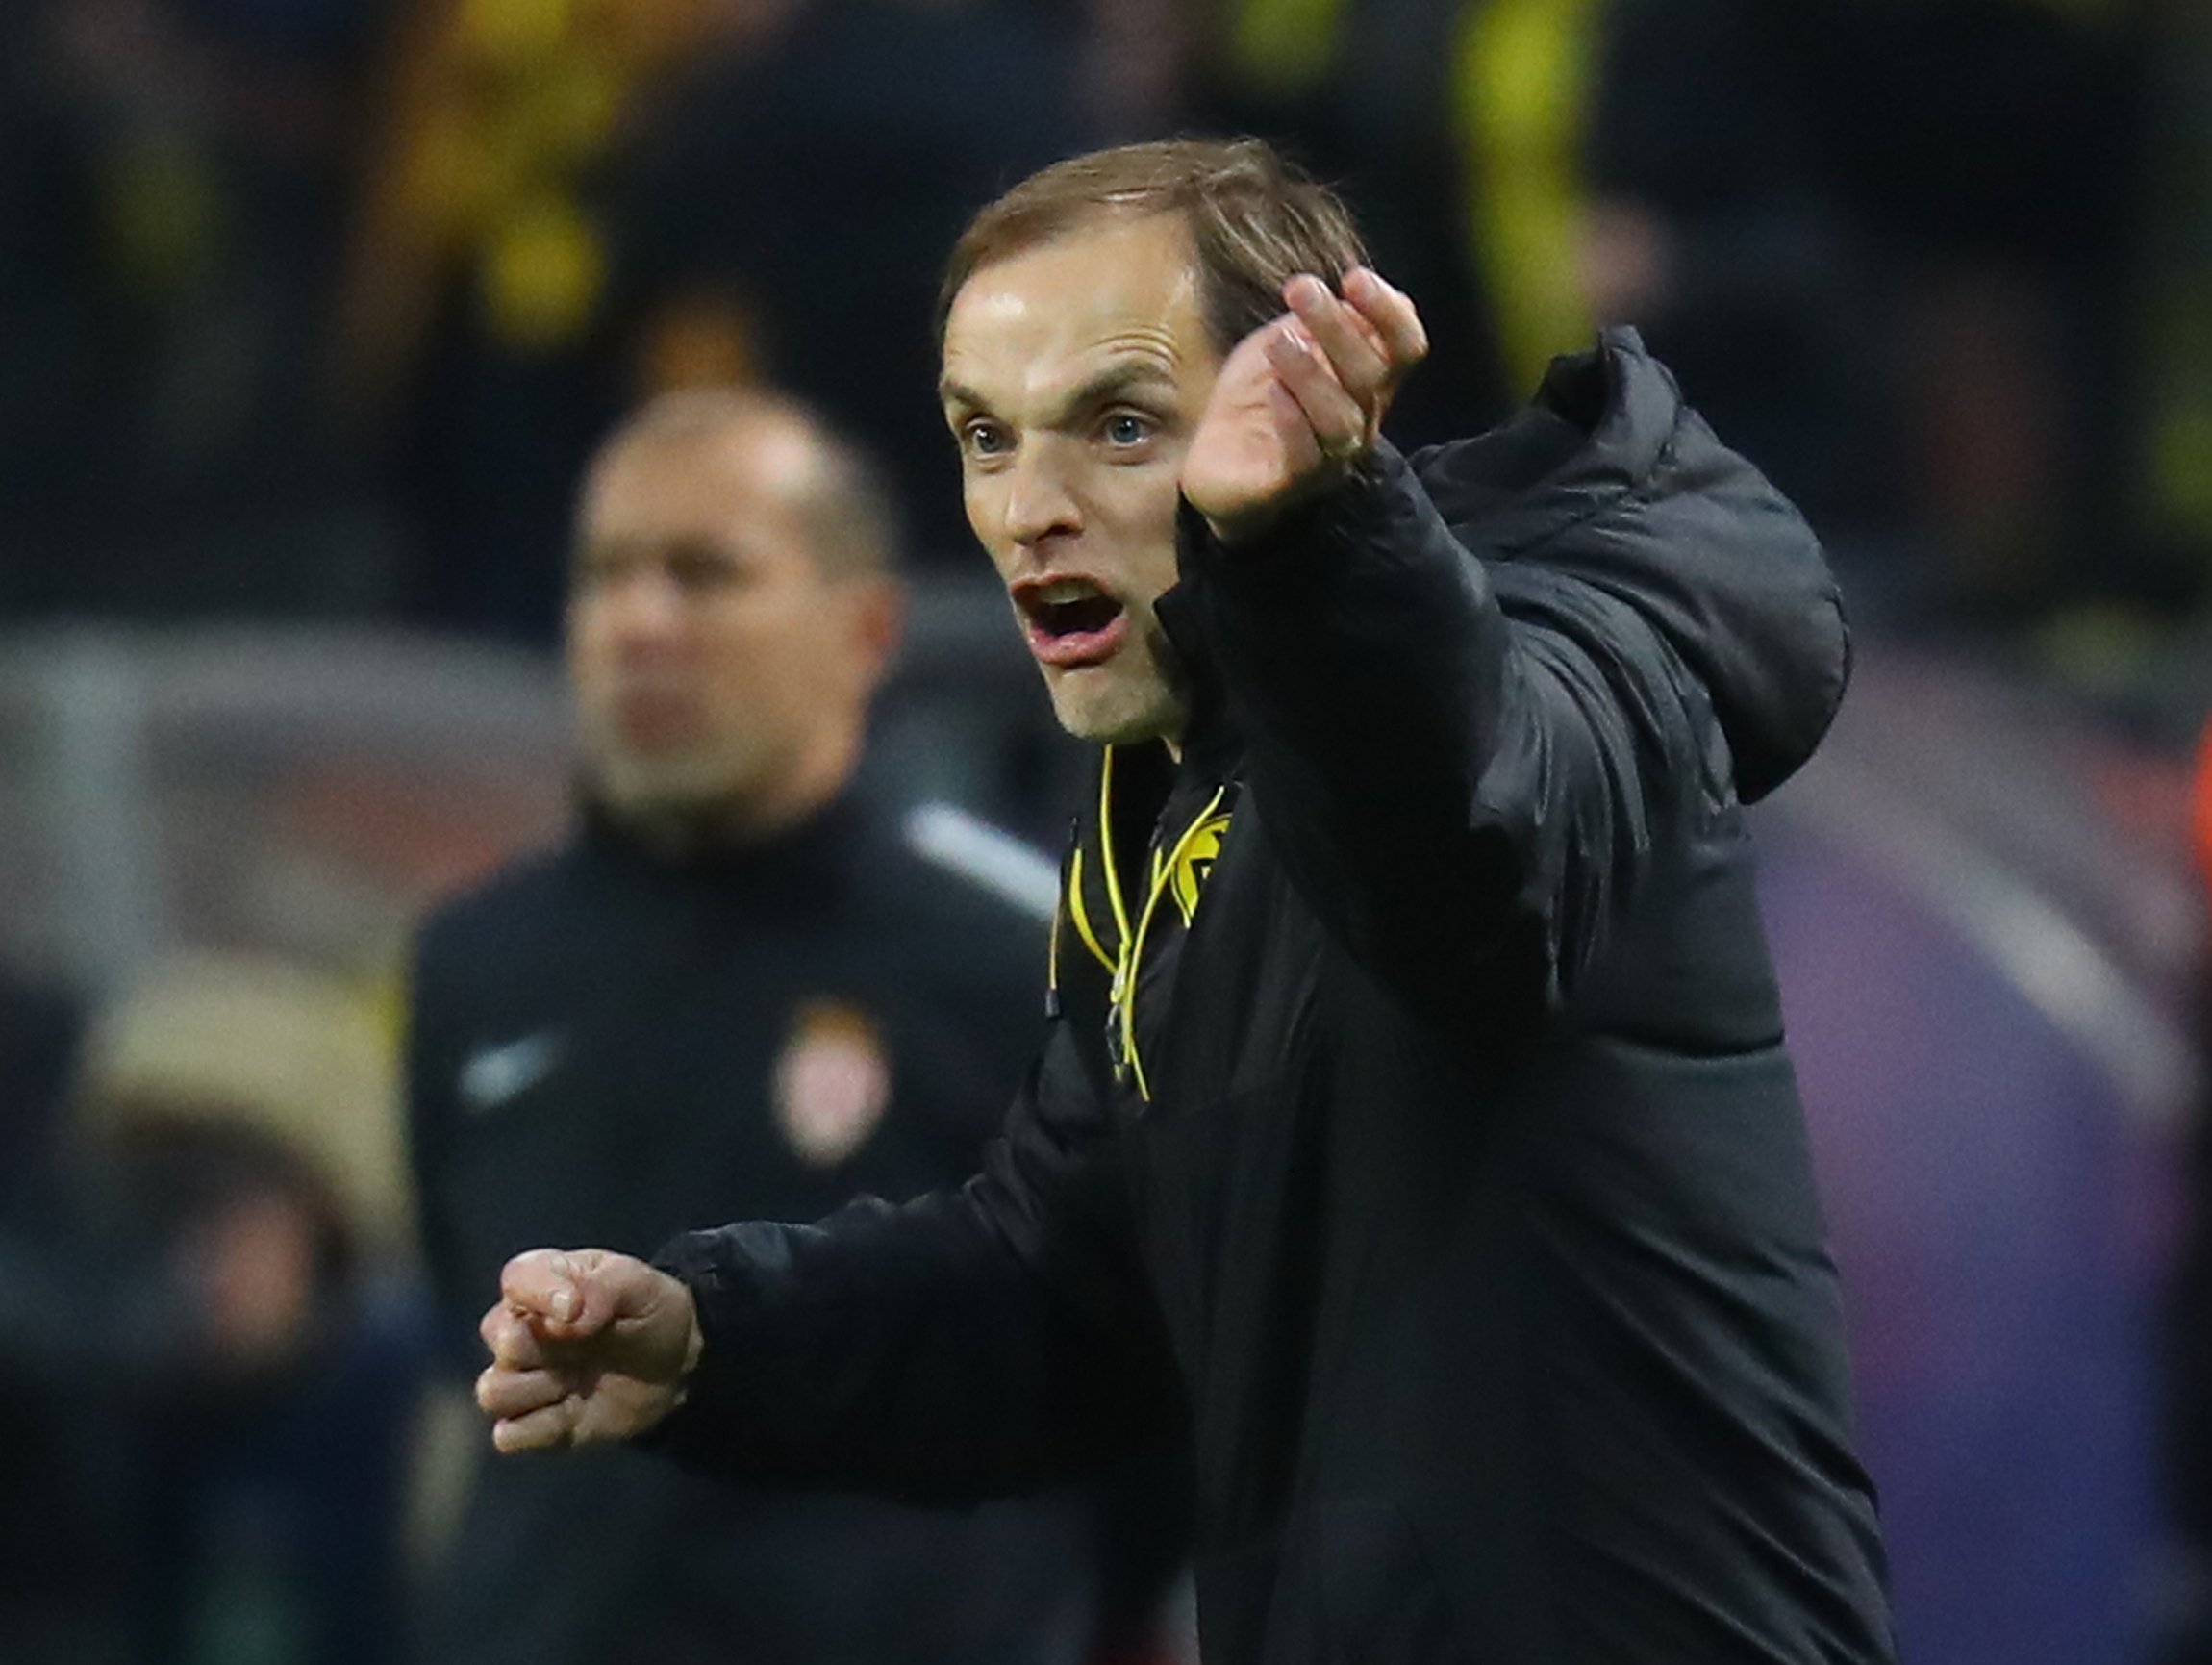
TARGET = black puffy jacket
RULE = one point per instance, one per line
(1414, 1138)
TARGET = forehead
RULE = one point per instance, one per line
(1090, 300)
(728, 479)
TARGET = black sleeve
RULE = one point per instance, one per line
(972, 1342)
(1465, 795)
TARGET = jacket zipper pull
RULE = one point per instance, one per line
(1059, 919)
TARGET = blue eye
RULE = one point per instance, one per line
(985, 438)
(1127, 428)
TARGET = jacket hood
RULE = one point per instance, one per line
(1653, 509)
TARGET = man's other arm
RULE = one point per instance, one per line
(995, 1339)
(1465, 798)
(1459, 794)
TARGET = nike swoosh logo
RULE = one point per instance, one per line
(493, 1075)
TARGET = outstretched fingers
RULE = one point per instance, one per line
(1300, 399)
(1342, 357)
(1353, 349)
(1339, 421)
(1390, 312)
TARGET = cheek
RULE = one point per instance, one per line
(984, 500)
(586, 625)
(1139, 505)
(590, 657)
(783, 658)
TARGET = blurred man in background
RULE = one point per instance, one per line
(742, 988)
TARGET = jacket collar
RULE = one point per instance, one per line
(1211, 744)
(700, 848)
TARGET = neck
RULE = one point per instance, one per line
(753, 814)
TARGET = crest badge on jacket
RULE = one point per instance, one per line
(831, 1082)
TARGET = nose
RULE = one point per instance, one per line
(643, 612)
(1038, 504)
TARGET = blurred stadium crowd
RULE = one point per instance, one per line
(311, 310)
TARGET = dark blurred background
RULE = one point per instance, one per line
(311, 310)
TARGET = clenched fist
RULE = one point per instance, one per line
(587, 1346)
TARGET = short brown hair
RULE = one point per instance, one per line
(852, 524)
(1256, 220)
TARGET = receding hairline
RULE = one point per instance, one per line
(708, 416)
(1253, 219)
(837, 491)
(1127, 209)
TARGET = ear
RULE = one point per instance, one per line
(877, 625)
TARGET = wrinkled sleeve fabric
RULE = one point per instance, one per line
(1462, 765)
(974, 1343)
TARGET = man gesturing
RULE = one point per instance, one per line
(1413, 1144)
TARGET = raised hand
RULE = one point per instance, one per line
(587, 1346)
(1300, 400)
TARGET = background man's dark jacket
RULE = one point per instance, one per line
(597, 1042)
(1452, 1198)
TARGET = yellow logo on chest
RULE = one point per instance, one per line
(1195, 853)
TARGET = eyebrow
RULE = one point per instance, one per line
(585, 553)
(1107, 386)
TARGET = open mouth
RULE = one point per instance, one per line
(1070, 620)
(1073, 615)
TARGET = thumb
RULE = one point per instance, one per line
(599, 1288)
(563, 1293)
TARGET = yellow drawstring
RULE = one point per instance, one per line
(1081, 914)
(1132, 952)
(1106, 850)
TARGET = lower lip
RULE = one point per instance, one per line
(1080, 648)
